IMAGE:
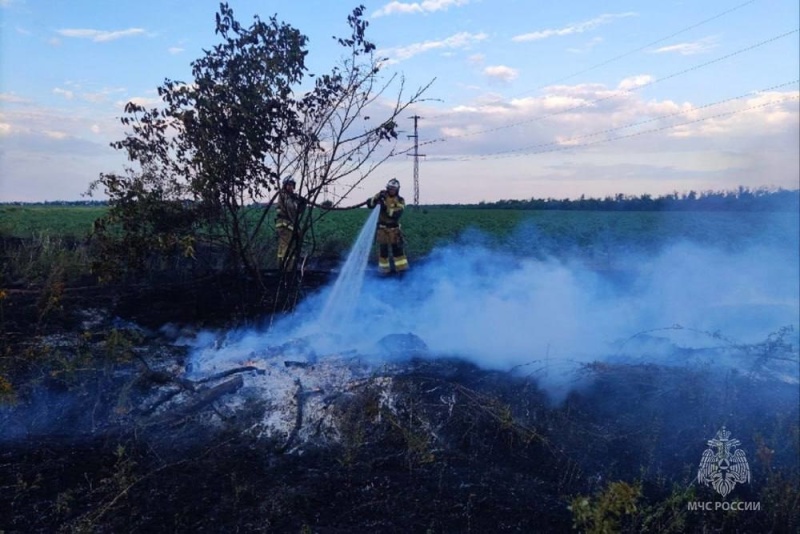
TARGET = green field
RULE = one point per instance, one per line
(522, 230)
(54, 221)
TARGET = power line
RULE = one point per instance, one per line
(657, 41)
(562, 148)
(617, 94)
(630, 52)
(639, 123)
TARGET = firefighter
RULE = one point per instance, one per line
(290, 207)
(389, 235)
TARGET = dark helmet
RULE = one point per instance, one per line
(289, 180)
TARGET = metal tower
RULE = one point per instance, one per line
(416, 156)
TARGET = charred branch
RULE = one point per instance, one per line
(202, 399)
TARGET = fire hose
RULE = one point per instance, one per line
(337, 208)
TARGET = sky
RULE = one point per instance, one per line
(530, 99)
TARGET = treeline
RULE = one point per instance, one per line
(90, 203)
(741, 199)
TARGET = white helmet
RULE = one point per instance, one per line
(393, 183)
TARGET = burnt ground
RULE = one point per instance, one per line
(455, 448)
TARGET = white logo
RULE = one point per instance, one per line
(724, 468)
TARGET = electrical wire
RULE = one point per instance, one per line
(639, 123)
(616, 94)
(628, 53)
(648, 45)
(562, 148)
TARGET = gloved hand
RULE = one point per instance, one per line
(382, 196)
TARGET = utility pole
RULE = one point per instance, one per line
(416, 156)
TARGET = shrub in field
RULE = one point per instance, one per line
(6, 390)
(42, 258)
(607, 511)
(228, 138)
(604, 239)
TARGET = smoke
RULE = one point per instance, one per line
(547, 305)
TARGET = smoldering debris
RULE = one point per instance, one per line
(502, 310)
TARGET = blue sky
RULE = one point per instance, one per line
(530, 99)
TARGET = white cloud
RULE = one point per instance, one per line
(586, 47)
(100, 36)
(600, 129)
(768, 113)
(11, 98)
(175, 50)
(632, 82)
(49, 153)
(501, 72)
(459, 40)
(55, 134)
(69, 95)
(689, 49)
(33, 126)
(94, 97)
(596, 119)
(578, 27)
(426, 6)
(102, 95)
(561, 103)
(476, 59)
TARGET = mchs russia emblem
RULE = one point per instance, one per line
(723, 464)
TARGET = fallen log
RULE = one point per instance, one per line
(230, 372)
(162, 377)
(201, 399)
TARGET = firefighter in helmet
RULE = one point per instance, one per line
(290, 207)
(389, 236)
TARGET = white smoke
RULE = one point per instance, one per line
(502, 308)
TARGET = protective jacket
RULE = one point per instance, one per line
(389, 236)
(290, 206)
(391, 210)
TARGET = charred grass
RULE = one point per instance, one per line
(459, 449)
(438, 446)
(453, 448)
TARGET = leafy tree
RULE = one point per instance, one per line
(208, 162)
